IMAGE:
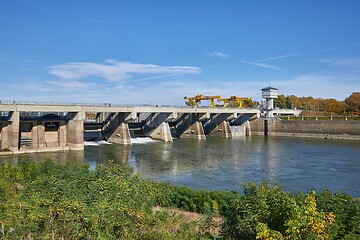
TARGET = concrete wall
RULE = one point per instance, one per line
(315, 129)
(46, 134)
(238, 131)
(257, 127)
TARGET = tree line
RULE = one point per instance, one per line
(351, 105)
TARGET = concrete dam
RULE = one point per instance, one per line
(53, 127)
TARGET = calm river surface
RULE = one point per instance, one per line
(218, 163)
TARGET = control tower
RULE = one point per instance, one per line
(269, 93)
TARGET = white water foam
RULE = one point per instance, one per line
(91, 143)
(104, 142)
(142, 140)
(137, 140)
(95, 143)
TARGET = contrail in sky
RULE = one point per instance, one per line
(305, 53)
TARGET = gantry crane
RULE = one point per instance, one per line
(194, 101)
(233, 101)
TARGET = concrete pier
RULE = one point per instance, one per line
(75, 130)
(222, 130)
(10, 132)
(121, 135)
(157, 127)
(117, 130)
(190, 126)
(218, 125)
(162, 132)
(195, 131)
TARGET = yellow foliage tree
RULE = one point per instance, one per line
(353, 102)
(308, 223)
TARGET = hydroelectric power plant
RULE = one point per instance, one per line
(26, 127)
(200, 147)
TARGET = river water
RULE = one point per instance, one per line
(219, 163)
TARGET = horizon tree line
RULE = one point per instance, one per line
(350, 105)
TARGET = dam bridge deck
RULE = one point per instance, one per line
(39, 125)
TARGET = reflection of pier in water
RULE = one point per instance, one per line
(156, 158)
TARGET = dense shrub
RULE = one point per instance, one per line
(44, 201)
(347, 212)
(48, 201)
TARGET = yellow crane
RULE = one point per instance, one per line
(194, 101)
(234, 101)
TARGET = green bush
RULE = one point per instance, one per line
(48, 201)
(45, 200)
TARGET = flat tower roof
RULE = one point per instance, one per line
(269, 88)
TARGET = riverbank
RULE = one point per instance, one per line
(297, 164)
(45, 200)
(324, 129)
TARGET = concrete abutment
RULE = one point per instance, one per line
(20, 135)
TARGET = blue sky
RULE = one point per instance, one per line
(157, 52)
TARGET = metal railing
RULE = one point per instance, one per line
(329, 118)
(8, 102)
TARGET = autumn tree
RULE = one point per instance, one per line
(295, 101)
(333, 106)
(353, 102)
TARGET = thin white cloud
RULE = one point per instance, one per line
(323, 86)
(219, 54)
(157, 77)
(115, 71)
(307, 52)
(34, 87)
(262, 65)
(172, 92)
(337, 47)
(278, 57)
(349, 62)
(71, 85)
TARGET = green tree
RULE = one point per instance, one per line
(191, 103)
(248, 103)
(280, 101)
(289, 103)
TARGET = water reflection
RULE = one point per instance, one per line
(273, 150)
(220, 163)
(102, 154)
(61, 157)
